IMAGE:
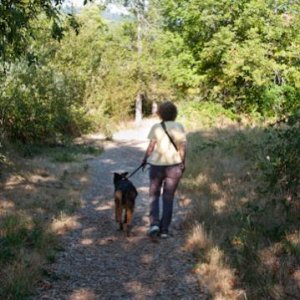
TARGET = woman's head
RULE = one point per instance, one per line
(167, 111)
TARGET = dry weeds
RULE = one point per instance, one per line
(232, 225)
(37, 199)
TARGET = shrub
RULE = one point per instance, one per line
(40, 104)
(280, 161)
(195, 113)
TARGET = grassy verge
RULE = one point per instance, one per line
(246, 237)
(68, 152)
(38, 198)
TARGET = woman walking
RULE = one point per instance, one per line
(166, 155)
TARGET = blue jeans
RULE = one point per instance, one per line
(166, 177)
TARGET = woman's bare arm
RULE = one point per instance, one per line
(149, 150)
(182, 151)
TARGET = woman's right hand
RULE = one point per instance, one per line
(182, 166)
(144, 163)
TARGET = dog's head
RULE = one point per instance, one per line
(119, 176)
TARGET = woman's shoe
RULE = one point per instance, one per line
(153, 231)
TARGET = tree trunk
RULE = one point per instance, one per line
(139, 107)
(139, 97)
(154, 108)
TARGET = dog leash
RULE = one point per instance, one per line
(142, 165)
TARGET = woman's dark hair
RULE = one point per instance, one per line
(167, 111)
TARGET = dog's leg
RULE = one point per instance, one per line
(125, 221)
(128, 218)
(121, 226)
(118, 208)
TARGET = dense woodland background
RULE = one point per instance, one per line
(64, 73)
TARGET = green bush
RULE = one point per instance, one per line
(207, 114)
(41, 104)
(280, 159)
(279, 100)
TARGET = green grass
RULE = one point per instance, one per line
(23, 244)
(63, 153)
(74, 152)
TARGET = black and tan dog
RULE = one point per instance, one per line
(125, 194)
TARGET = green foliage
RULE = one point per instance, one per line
(242, 52)
(101, 61)
(280, 160)
(242, 55)
(40, 101)
(104, 56)
(16, 235)
(40, 104)
(195, 114)
(18, 25)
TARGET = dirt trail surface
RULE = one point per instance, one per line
(98, 262)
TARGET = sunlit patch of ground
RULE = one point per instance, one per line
(64, 223)
(83, 294)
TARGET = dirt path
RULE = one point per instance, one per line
(99, 262)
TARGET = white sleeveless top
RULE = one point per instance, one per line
(165, 153)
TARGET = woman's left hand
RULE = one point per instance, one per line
(182, 166)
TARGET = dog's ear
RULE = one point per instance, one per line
(117, 177)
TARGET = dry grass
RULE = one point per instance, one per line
(247, 245)
(198, 239)
(37, 200)
(218, 277)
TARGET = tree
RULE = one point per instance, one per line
(40, 100)
(16, 24)
(138, 8)
(243, 52)
(29, 31)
